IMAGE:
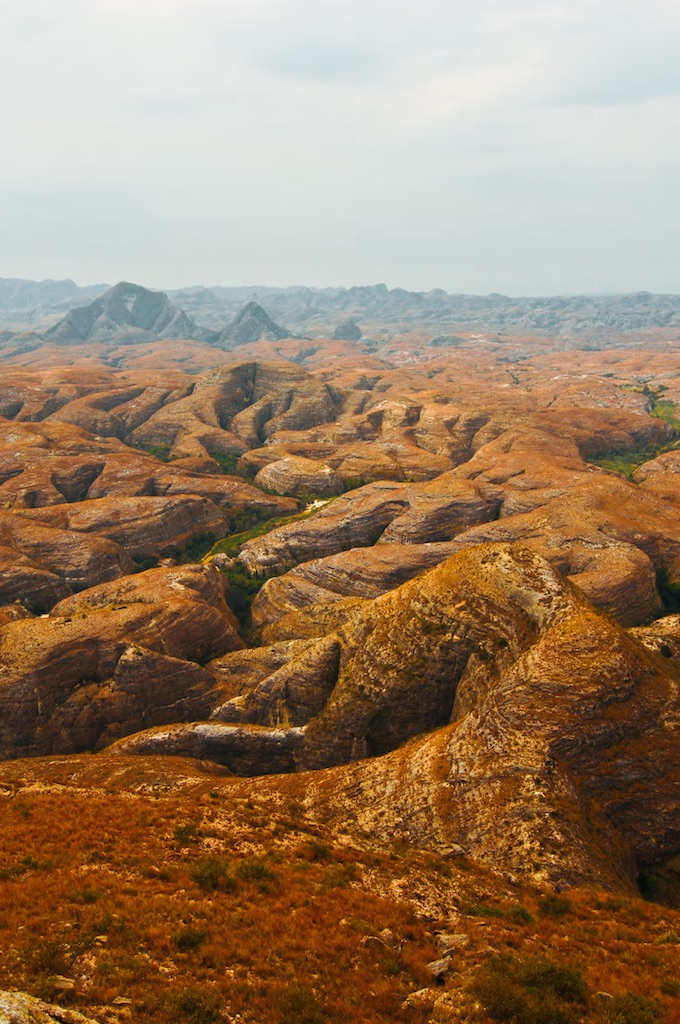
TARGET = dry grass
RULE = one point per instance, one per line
(200, 906)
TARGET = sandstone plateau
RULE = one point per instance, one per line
(324, 603)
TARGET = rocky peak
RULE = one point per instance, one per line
(123, 313)
(252, 323)
(347, 330)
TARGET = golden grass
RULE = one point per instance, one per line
(101, 886)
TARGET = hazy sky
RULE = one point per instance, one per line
(522, 146)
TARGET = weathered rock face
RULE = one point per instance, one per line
(662, 636)
(244, 749)
(359, 572)
(481, 692)
(20, 1008)
(124, 312)
(661, 476)
(289, 695)
(113, 660)
(561, 754)
(251, 323)
(143, 527)
(49, 549)
(608, 536)
(347, 330)
(352, 520)
(295, 475)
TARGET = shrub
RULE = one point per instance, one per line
(211, 873)
(555, 906)
(300, 1006)
(192, 1006)
(186, 833)
(258, 872)
(533, 990)
(86, 896)
(631, 1009)
(188, 939)
(482, 910)
(521, 915)
(48, 957)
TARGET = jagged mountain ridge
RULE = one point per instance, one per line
(25, 303)
(319, 310)
(377, 306)
(126, 312)
(129, 313)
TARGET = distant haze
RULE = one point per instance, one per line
(519, 146)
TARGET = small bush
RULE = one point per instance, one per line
(534, 990)
(211, 873)
(86, 896)
(192, 1006)
(339, 876)
(300, 1006)
(186, 833)
(258, 872)
(631, 1009)
(48, 957)
(315, 851)
(521, 915)
(555, 906)
(188, 939)
(482, 910)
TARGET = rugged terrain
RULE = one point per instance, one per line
(329, 615)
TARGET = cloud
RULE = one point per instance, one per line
(468, 145)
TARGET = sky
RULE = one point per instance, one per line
(524, 147)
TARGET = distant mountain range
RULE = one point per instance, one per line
(227, 317)
(128, 314)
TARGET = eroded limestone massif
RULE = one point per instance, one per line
(466, 623)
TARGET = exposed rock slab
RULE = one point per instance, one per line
(20, 1008)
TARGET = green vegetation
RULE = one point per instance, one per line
(555, 906)
(159, 451)
(669, 591)
(211, 873)
(232, 544)
(258, 872)
(241, 592)
(631, 1009)
(189, 939)
(227, 461)
(626, 461)
(300, 1006)
(193, 1006)
(665, 410)
(530, 990)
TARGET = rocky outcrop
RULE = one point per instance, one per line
(347, 330)
(142, 527)
(244, 749)
(662, 636)
(302, 477)
(29, 548)
(20, 1008)
(126, 312)
(359, 572)
(251, 323)
(550, 733)
(352, 520)
(113, 660)
(289, 695)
